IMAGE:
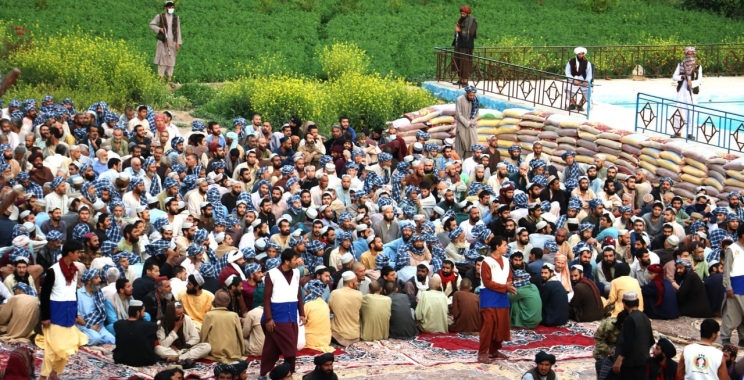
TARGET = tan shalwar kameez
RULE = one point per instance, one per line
(165, 53)
(466, 136)
(18, 317)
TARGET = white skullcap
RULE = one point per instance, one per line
(261, 244)
(329, 167)
(234, 256)
(418, 217)
(323, 208)
(311, 213)
(124, 176)
(408, 159)
(20, 241)
(203, 204)
(220, 237)
(415, 164)
(297, 233)
(347, 258)
(580, 50)
(77, 181)
(186, 225)
(284, 217)
(255, 223)
(348, 276)
(42, 202)
(578, 267)
(601, 157)
(229, 279)
(139, 209)
(25, 214)
(167, 227)
(541, 224)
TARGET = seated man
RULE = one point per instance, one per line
(375, 314)
(402, 324)
(526, 304)
(554, 298)
(586, 304)
(222, 331)
(543, 370)
(323, 368)
(196, 301)
(662, 364)
(692, 299)
(91, 317)
(253, 334)
(345, 304)
(157, 299)
(117, 306)
(659, 296)
(318, 314)
(431, 311)
(465, 310)
(20, 315)
(232, 371)
(135, 338)
(621, 284)
(178, 338)
(20, 274)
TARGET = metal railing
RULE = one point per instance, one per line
(620, 61)
(705, 125)
(513, 81)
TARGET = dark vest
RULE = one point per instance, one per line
(174, 27)
(694, 74)
(582, 67)
(536, 375)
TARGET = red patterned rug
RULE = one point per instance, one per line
(572, 341)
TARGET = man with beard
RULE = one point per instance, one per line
(457, 247)
(729, 356)
(174, 219)
(586, 303)
(323, 368)
(118, 303)
(526, 305)
(282, 238)
(553, 193)
(232, 286)
(196, 198)
(130, 240)
(20, 274)
(309, 180)
(91, 311)
(692, 299)
(448, 201)
(278, 205)
(387, 228)
(92, 249)
(584, 193)
(472, 221)
(554, 298)
(339, 257)
(134, 198)
(596, 209)
(450, 279)
(230, 198)
(265, 215)
(659, 296)
(161, 252)
(252, 292)
(257, 229)
(55, 223)
(140, 139)
(207, 217)
(417, 284)
(639, 268)
(470, 163)
(522, 244)
(218, 157)
(514, 160)
(606, 270)
(533, 217)
(12, 136)
(662, 365)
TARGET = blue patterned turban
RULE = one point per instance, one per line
(276, 246)
(551, 246)
(574, 203)
(545, 206)
(216, 165)
(571, 184)
(624, 209)
(409, 211)
(470, 89)
(25, 288)
(578, 248)
(423, 135)
(248, 253)
(731, 217)
(20, 253)
(719, 210)
(178, 168)
(208, 270)
(384, 201)
(568, 153)
(89, 275)
(594, 203)
(251, 269)
(477, 147)
(53, 235)
(194, 249)
(385, 157)
(324, 160)
(684, 263)
(80, 231)
(286, 169)
(342, 235)
(405, 224)
(402, 165)
(107, 247)
(521, 278)
(520, 200)
(381, 260)
(56, 182)
(585, 226)
(170, 182)
(239, 120)
(454, 234)
(431, 147)
(537, 163)
(200, 236)
(273, 263)
(198, 126)
(666, 179)
(315, 246)
(315, 290)
(515, 148)
(158, 247)
(160, 223)
(344, 217)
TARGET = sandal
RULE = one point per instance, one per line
(484, 359)
(498, 355)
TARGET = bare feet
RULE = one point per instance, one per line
(172, 359)
(498, 355)
(484, 359)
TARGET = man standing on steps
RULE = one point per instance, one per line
(580, 74)
(167, 27)
(466, 117)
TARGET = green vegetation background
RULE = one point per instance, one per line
(223, 37)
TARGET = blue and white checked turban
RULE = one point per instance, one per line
(175, 141)
(403, 225)
(158, 247)
(537, 163)
(23, 176)
(213, 195)
(481, 231)
(411, 189)
(731, 217)
(248, 253)
(325, 159)
(80, 231)
(220, 222)
(251, 268)
(470, 89)
(384, 201)
(295, 242)
(594, 203)
(80, 133)
(160, 223)
(170, 182)
(344, 216)
(359, 195)
(200, 236)
(57, 181)
(273, 263)
(357, 152)
(216, 165)
(19, 230)
(521, 278)
(475, 188)
(89, 275)
(423, 135)
(409, 211)
(53, 235)
(25, 288)
(568, 153)
(684, 263)
(385, 157)
(239, 120)
(291, 182)
(381, 260)
(696, 226)
(431, 147)
(351, 165)
(14, 103)
(208, 270)
(149, 161)
(520, 200)
(666, 179)
(342, 235)
(719, 211)
(189, 182)
(402, 165)
(194, 249)
(574, 203)
(454, 234)
(20, 253)
(134, 182)
(315, 290)
(514, 148)
(277, 247)
(4, 167)
(286, 169)
(198, 126)
(571, 184)
(551, 246)
(545, 206)
(178, 168)
(624, 209)
(578, 247)
(732, 194)
(585, 226)
(475, 147)
(315, 246)
(4, 147)
(107, 247)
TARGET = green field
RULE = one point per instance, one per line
(223, 37)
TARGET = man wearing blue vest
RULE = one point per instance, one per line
(496, 277)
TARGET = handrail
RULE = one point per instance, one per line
(513, 81)
(713, 127)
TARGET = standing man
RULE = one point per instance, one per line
(58, 301)
(167, 27)
(466, 30)
(496, 277)
(634, 341)
(579, 73)
(688, 75)
(283, 310)
(466, 116)
(733, 281)
(703, 360)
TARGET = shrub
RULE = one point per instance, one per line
(95, 67)
(341, 58)
(198, 94)
(728, 8)
(599, 6)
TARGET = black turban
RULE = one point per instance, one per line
(280, 372)
(542, 356)
(322, 359)
(667, 348)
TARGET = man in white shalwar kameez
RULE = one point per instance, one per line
(689, 76)
(580, 73)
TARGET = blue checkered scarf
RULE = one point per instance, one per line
(561, 221)
(18, 230)
(477, 249)
(397, 186)
(402, 259)
(215, 198)
(520, 200)
(97, 315)
(155, 186)
(521, 278)
(26, 288)
(188, 183)
(198, 126)
(98, 119)
(208, 270)
(19, 253)
(574, 172)
(80, 231)
(511, 168)
(370, 181)
(114, 233)
(108, 248)
(33, 187)
(315, 289)
(160, 223)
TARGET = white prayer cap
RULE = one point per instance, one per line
(297, 233)
(20, 241)
(324, 230)
(672, 240)
(311, 213)
(578, 267)
(449, 141)
(124, 176)
(255, 223)
(462, 204)
(261, 244)
(702, 235)
(415, 164)
(408, 159)
(220, 237)
(541, 224)
(622, 232)
(82, 206)
(30, 227)
(167, 227)
(630, 296)
(139, 209)
(347, 258)
(272, 155)
(218, 177)
(99, 204)
(203, 204)
(77, 180)
(25, 214)
(359, 217)
(181, 204)
(572, 220)
(229, 280)
(500, 165)
(418, 146)
(284, 217)
(549, 266)
(385, 207)
(348, 276)
(580, 50)
(361, 227)
(41, 202)
(601, 157)
(418, 217)
(186, 225)
(174, 175)
(319, 267)
(234, 256)
(322, 208)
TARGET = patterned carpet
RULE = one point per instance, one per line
(428, 353)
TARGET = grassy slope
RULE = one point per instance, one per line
(220, 36)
